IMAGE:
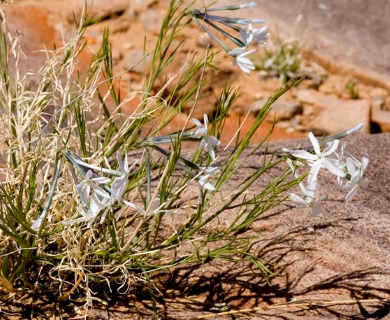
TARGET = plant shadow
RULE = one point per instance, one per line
(223, 289)
(234, 290)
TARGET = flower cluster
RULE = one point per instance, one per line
(99, 194)
(240, 36)
(348, 170)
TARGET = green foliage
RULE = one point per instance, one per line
(280, 58)
(65, 113)
(352, 89)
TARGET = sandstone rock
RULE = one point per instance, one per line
(309, 96)
(116, 56)
(141, 5)
(330, 115)
(152, 20)
(311, 111)
(314, 75)
(136, 60)
(380, 119)
(204, 41)
(286, 125)
(119, 25)
(36, 32)
(99, 8)
(378, 93)
(339, 115)
(203, 106)
(386, 104)
(377, 96)
(281, 110)
(336, 85)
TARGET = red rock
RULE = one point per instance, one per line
(281, 109)
(380, 119)
(99, 8)
(332, 115)
(341, 115)
(37, 33)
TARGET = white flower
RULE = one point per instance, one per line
(153, 208)
(119, 185)
(308, 200)
(241, 60)
(340, 162)
(88, 183)
(208, 172)
(356, 170)
(208, 142)
(259, 35)
(90, 212)
(319, 159)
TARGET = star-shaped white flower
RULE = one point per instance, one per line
(208, 142)
(119, 185)
(309, 200)
(356, 170)
(153, 208)
(207, 173)
(90, 212)
(319, 158)
(259, 35)
(241, 60)
(341, 163)
(88, 183)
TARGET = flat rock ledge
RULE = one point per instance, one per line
(324, 264)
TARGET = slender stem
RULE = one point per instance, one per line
(39, 222)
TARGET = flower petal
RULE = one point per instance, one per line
(332, 147)
(298, 200)
(316, 209)
(154, 206)
(245, 64)
(135, 207)
(333, 168)
(351, 167)
(365, 161)
(303, 154)
(213, 141)
(315, 143)
(206, 120)
(206, 185)
(315, 168)
(351, 194)
(197, 122)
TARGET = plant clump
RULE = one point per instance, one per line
(91, 201)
